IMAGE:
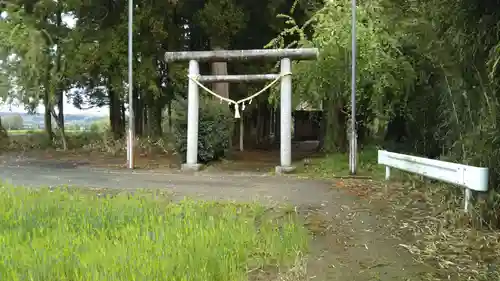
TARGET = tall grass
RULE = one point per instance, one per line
(69, 235)
(337, 165)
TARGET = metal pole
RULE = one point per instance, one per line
(353, 146)
(242, 131)
(131, 119)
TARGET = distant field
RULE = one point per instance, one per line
(37, 131)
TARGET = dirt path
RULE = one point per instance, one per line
(350, 241)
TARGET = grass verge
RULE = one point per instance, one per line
(461, 246)
(426, 215)
(72, 235)
(336, 165)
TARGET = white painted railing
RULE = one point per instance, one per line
(469, 177)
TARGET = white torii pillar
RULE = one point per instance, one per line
(286, 119)
(193, 119)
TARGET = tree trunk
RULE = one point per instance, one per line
(154, 116)
(115, 112)
(335, 139)
(322, 127)
(60, 108)
(3, 132)
(61, 128)
(139, 112)
(169, 106)
(145, 120)
(258, 126)
(59, 91)
(220, 68)
(4, 137)
(123, 122)
(59, 118)
(47, 116)
(266, 130)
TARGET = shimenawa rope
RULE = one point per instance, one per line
(195, 78)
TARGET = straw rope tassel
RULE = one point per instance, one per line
(237, 111)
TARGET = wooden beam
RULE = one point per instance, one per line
(225, 55)
(237, 78)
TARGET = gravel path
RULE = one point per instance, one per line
(351, 242)
(213, 186)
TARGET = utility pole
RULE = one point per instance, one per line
(131, 119)
(354, 136)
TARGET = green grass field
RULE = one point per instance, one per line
(337, 165)
(73, 235)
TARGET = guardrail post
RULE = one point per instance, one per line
(193, 114)
(467, 199)
(387, 172)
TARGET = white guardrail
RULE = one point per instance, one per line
(470, 177)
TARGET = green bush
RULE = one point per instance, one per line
(81, 139)
(214, 129)
(100, 126)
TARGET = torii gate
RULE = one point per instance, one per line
(195, 82)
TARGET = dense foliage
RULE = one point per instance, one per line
(427, 77)
(214, 133)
